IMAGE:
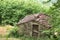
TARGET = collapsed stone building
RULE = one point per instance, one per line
(34, 24)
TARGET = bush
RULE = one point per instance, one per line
(14, 32)
(12, 11)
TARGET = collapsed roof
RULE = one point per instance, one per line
(41, 18)
(35, 17)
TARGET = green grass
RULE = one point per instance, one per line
(9, 39)
(28, 38)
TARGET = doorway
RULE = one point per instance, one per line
(35, 29)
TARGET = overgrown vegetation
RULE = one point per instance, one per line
(11, 11)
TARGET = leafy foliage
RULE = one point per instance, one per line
(12, 11)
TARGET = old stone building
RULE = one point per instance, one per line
(34, 24)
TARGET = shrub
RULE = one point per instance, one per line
(12, 11)
(13, 32)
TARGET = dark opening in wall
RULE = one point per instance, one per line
(35, 29)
